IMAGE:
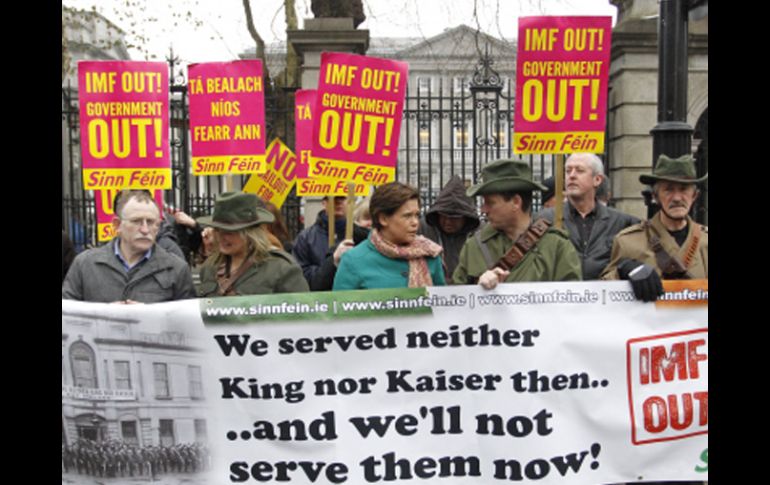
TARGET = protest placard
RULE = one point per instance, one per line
(562, 68)
(357, 119)
(227, 117)
(124, 124)
(280, 176)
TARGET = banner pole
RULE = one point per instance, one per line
(558, 189)
(351, 205)
(330, 216)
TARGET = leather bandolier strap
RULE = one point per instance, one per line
(671, 267)
(523, 244)
(226, 284)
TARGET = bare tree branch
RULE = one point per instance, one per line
(253, 32)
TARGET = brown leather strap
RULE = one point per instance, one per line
(693, 247)
(671, 267)
(523, 244)
(226, 283)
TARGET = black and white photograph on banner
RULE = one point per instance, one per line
(133, 402)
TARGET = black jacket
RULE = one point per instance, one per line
(323, 278)
(594, 253)
(312, 244)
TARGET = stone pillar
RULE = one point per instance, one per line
(632, 109)
(323, 35)
(633, 99)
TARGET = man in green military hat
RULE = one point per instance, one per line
(670, 245)
(510, 247)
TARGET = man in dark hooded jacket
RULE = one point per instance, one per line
(449, 222)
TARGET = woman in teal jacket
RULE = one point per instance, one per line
(393, 256)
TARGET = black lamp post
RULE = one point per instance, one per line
(672, 135)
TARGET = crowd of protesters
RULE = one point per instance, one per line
(116, 458)
(243, 248)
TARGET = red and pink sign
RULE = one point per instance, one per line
(124, 126)
(357, 121)
(562, 68)
(227, 117)
(304, 106)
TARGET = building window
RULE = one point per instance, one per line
(428, 134)
(458, 84)
(462, 136)
(166, 429)
(83, 363)
(196, 383)
(128, 432)
(424, 85)
(502, 136)
(122, 374)
(505, 82)
(161, 380)
(201, 434)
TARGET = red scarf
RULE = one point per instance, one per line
(414, 252)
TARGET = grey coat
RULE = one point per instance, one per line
(97, 275)
(594, 253)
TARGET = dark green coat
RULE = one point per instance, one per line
(553, 258)
(279, 273)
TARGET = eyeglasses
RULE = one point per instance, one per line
(140, 221)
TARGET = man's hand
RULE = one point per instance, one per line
(183, 219)
(491, 277)
(644, 279)
(342, 247)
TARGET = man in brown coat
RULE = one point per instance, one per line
(670, 245)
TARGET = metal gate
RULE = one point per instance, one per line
(458, 130)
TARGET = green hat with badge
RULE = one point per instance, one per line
(234, 211)
(680, 170)
(505, 176)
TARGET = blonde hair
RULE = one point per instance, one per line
(257, 243)
(362, 210)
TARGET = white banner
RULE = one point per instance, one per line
(548, 383)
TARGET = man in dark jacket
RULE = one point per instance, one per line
(312, 244)
(591, 225)
(449, 222)
(131, 268)
(323, 279)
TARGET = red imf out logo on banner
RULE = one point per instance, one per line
(668, 386)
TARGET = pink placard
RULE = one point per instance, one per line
(303, 125)
(227, 117)
(124, 124)
(562, 68)
(357, 120)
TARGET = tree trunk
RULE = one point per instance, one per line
(260, 46)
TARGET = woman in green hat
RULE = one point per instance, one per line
(244, 262)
